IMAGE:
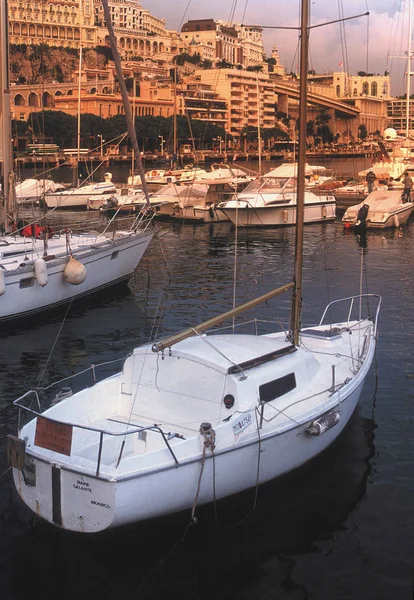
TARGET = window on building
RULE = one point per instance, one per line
(374, 88)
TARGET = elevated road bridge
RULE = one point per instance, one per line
(288, 91)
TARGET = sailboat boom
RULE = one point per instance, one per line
(186, 333)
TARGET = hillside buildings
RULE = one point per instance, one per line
(246, 93)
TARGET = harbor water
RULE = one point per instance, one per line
(339, 528)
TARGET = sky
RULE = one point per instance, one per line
(370, 44)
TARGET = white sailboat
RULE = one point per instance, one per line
(40, 269)
(197, 417)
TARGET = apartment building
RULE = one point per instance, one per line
(250, 97)
(55, 22)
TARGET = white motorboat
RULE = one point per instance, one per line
(78, 197)
(379, 210)
(33, 190)
(197, 417)
(124, 199)
(270, 201)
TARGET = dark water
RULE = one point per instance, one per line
(340, 528)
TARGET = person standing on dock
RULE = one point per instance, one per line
(408, 186)
(370, 177)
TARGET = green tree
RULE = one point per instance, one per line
(55, 125)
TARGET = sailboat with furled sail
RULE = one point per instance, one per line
(198, 416)
(41, 268)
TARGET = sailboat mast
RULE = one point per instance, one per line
(259, 141)
(125, 100)
(300, 202)
(408, 93)
(79, 90)
(175, 149)
(6, 161)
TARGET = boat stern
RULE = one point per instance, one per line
(65, 498)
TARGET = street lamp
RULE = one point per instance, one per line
(102, 141)
(220, 141)
(162, 144)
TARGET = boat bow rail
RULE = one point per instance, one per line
(357, 303)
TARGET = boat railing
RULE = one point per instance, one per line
(357, 303)
(130, 429)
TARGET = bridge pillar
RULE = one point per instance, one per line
(283, 103)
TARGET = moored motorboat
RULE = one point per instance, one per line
(33, 190)
(379, 210)
(270, 201)
(77, 197)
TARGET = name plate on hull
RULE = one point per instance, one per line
(53, 436)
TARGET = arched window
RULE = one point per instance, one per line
(355, 92)
(338, 90)
(33, 99)
(19, 100)
(385, 89)
(46, 100)
(365, 88)
(374, 88)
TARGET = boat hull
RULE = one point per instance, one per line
(106, 265)
(70, 200)
(200, 214)
(86, 503)
(266, 216)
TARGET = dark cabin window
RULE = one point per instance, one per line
(276, 388)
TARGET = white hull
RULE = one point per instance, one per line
(384, 210)
(278, 216)
(73, 199)
(106, 264)
(94, 487)
(91, 504)
(200, 214)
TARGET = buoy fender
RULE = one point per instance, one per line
(2, 282)
(74, 272)
(41, 272)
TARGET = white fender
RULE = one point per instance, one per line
(74, 272)
(396, 221)
(2, 282)
(41, 272)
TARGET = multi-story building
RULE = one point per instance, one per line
(222, 38)
(202, 102)
(54, 22)
(370, 94)
(70, 23)
(250, 97)
(397, 115)
(138, 32)
(251, 42)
